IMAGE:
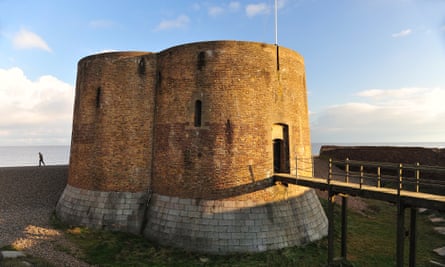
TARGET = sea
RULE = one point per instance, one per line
(16, 156)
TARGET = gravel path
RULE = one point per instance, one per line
(28, 196)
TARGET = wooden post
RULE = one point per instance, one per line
(331, 230)
(399, 186)
(400, 233)
(412, 237)
(417, 176)
(313, 166)
(330, 171)
(344, 226)
(400, 222)
(347, 170)
(361, 176)
(379, 177)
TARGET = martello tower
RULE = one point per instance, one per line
(181, 145)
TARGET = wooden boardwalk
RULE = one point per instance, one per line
(409, 198)
(361, 187)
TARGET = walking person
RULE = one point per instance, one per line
(41, 160)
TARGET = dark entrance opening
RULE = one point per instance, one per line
(280, 139)
(277, 144)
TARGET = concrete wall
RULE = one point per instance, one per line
(230, 226)
(123, 211)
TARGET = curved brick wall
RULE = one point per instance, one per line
(225, 162)
(138, 139)
(243, 96)
(111, 144)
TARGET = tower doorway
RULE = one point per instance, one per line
(280, 140)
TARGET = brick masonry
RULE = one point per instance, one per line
(197, 122)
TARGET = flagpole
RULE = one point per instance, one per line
(276, 35)
(276, 23)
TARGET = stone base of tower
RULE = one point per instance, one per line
(232, 226)
(123, 211)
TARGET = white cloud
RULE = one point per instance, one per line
(104, 51)
(402, 33)
(392, 93)
(35, 112)
(179, 22)
(215, 11)
(405, 114)
(25, 39)
(234, 6)
(253, 10)
(257, 9)
(281, 3)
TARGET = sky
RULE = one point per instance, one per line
(375, 69)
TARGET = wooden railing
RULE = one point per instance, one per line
(408, 177)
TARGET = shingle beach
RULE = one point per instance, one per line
(28, 196)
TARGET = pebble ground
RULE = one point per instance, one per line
(28, 196)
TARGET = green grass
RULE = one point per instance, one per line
(119, 249)
(371, 242)
(372, 236)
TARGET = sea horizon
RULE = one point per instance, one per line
(22, 155)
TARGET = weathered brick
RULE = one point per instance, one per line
(137, 131)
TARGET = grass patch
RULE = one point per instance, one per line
(371, 242)
(372, 236)
(121, 249)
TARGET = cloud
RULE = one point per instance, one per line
(403, 115)
(234, 6)
(402, 33)
(253, 10)
(104, 51)
(281, 4)
(257, 9)
(214, 11)
(179, 22)
(38, 112)
(25, 39)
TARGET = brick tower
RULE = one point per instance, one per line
(181, 146)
